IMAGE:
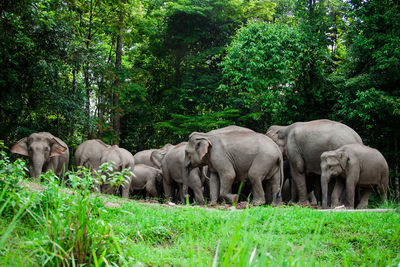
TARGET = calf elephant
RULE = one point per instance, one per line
(144, 157)
(237, 156)
(146, 177)
(352, 165)
(302, 143)
(119, 159)
(89, 153)
(45, 152)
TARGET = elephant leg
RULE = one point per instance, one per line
(294, 196)
(196, 186)
(258, 191)
(126, 190)
(167, 184)
(276, 190)
(182, 193)
(350, 189)
(226, 181)
(363, 204)
(268, 192)
(298, 175)
(337, 191)
(214, 188)
(151, 188)
(312, 198)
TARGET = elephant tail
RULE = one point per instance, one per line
(282, 175)
(384, 184)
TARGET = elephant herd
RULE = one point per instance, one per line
(322, 156)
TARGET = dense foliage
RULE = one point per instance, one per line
(144, 73)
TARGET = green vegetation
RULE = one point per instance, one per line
(46, 224)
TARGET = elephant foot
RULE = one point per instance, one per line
(258, 202)
(230, 198)
(212, 203)
(305, 203)
(362, 206)
(277, 204)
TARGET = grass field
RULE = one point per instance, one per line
(47, 224)
(135, 233)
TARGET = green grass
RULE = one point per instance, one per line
(57, 227)
(155, 235)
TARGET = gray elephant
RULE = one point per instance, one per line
(144, 157)
(89, 153)
(45, 152)
(172, 166)
(237, 156)
(353, 165)
(120, 159)
(146, 177)
(302, 143)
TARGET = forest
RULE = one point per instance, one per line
(145, 73)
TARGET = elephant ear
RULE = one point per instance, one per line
(202, 146)
(157, 156)
(58, 147)
(343, 159)
(21, 147)
(159, 176)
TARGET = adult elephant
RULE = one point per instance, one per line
(88, 154)
(120, 159)
(45, 152)
(302, 143)
(237, 156)
(172, 168)
(353, 165)
(144, 157)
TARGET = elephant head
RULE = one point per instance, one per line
(196, 150)
(157, 155)
(278, 135)
(333, 164)
(39, 147)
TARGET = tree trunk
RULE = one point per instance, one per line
(74, 89)
(117, 88)
(86, 71)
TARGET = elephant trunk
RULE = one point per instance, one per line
(36, 166)
(324, 187)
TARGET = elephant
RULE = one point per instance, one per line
(172, 166)
(144, 157)
(89, 153)
(146, 177)
(302, 144)
(120, 159)
(240, 156)
(351, 165)
(45, 152)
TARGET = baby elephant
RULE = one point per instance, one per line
(146, 177)
(352, 165)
